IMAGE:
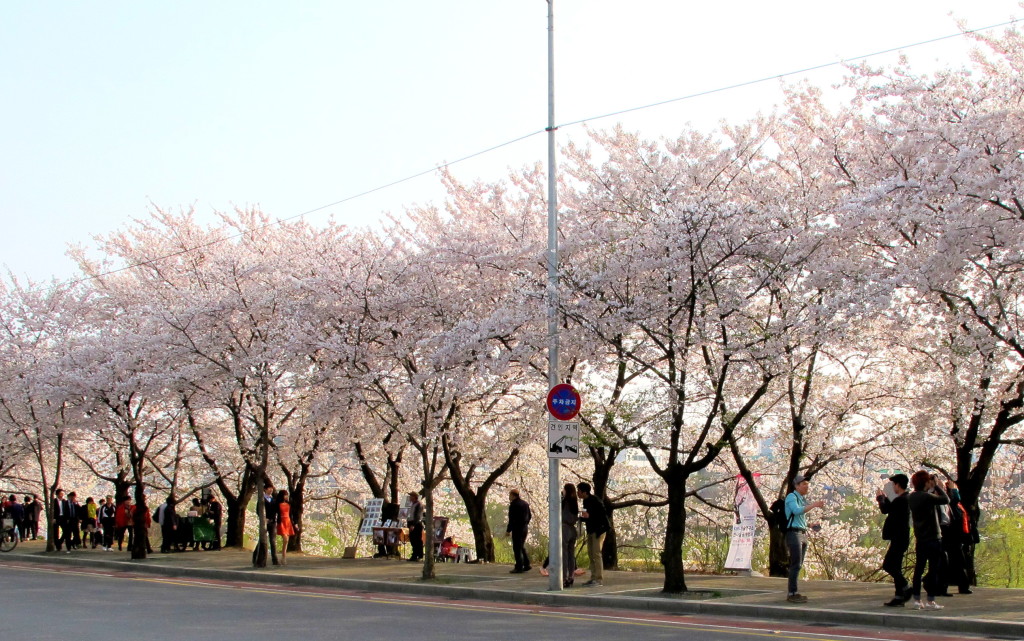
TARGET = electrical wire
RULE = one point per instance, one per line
(819, 67)
(572, 123)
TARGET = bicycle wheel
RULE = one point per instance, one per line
(9, 540)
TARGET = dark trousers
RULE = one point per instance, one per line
(796, 543)
(519, 550)
(416, 539)
(108, 533)
(928, 553)
(170, 536)
(120, 536)
(64, 534)
(568, 553)
(955, 563)
(893, 566)
(272, 536)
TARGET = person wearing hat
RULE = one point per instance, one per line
(414, 522)
(896, 530)
(797, 508)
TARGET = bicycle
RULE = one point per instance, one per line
(8, 535)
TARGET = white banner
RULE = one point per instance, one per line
(744, 528)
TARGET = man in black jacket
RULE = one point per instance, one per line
(896, 530)
(271, 509)
(519, 516)
(61, 521)
(596, 519)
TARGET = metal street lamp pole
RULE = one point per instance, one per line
(554, 507)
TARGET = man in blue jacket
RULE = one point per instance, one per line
(797, 508)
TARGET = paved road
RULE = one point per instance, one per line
(63, 604)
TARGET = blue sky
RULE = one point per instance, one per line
(110, 106)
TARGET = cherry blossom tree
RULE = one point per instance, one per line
(36, 324)
(938, 218)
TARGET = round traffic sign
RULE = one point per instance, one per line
(564, 402)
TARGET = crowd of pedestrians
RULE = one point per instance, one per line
(104, 523)
(25, 515)
(942, 529)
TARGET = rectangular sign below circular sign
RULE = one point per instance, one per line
(563, 439)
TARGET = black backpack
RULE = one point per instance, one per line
(778, 512)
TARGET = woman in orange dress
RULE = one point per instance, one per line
(285, 529)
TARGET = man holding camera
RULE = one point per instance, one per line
(797, 508)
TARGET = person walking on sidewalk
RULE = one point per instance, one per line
(896, 530)
(926, 497)
(797, 508)
(108, 518)
(33, 512)
(519, 516)
(596, 519)
(61, 521)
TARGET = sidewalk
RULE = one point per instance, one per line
(989, 611)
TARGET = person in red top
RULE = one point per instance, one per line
(285, 528)
(123, 522)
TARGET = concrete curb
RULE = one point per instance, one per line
(807, 615)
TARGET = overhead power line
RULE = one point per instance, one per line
(482, 152)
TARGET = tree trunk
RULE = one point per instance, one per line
(263, 540)
(778, 553)
(482, 535)
(236, 508)
(675, 531)
(140, 535)
(297, 502)
(610, 549)
(428, 545)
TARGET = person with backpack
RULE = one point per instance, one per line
(896, 530)
(956, 535)
(797, 508)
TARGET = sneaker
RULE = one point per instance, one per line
(592, 584)
(796, 598)
(932, 605)
(917, 605)
(67, 551)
